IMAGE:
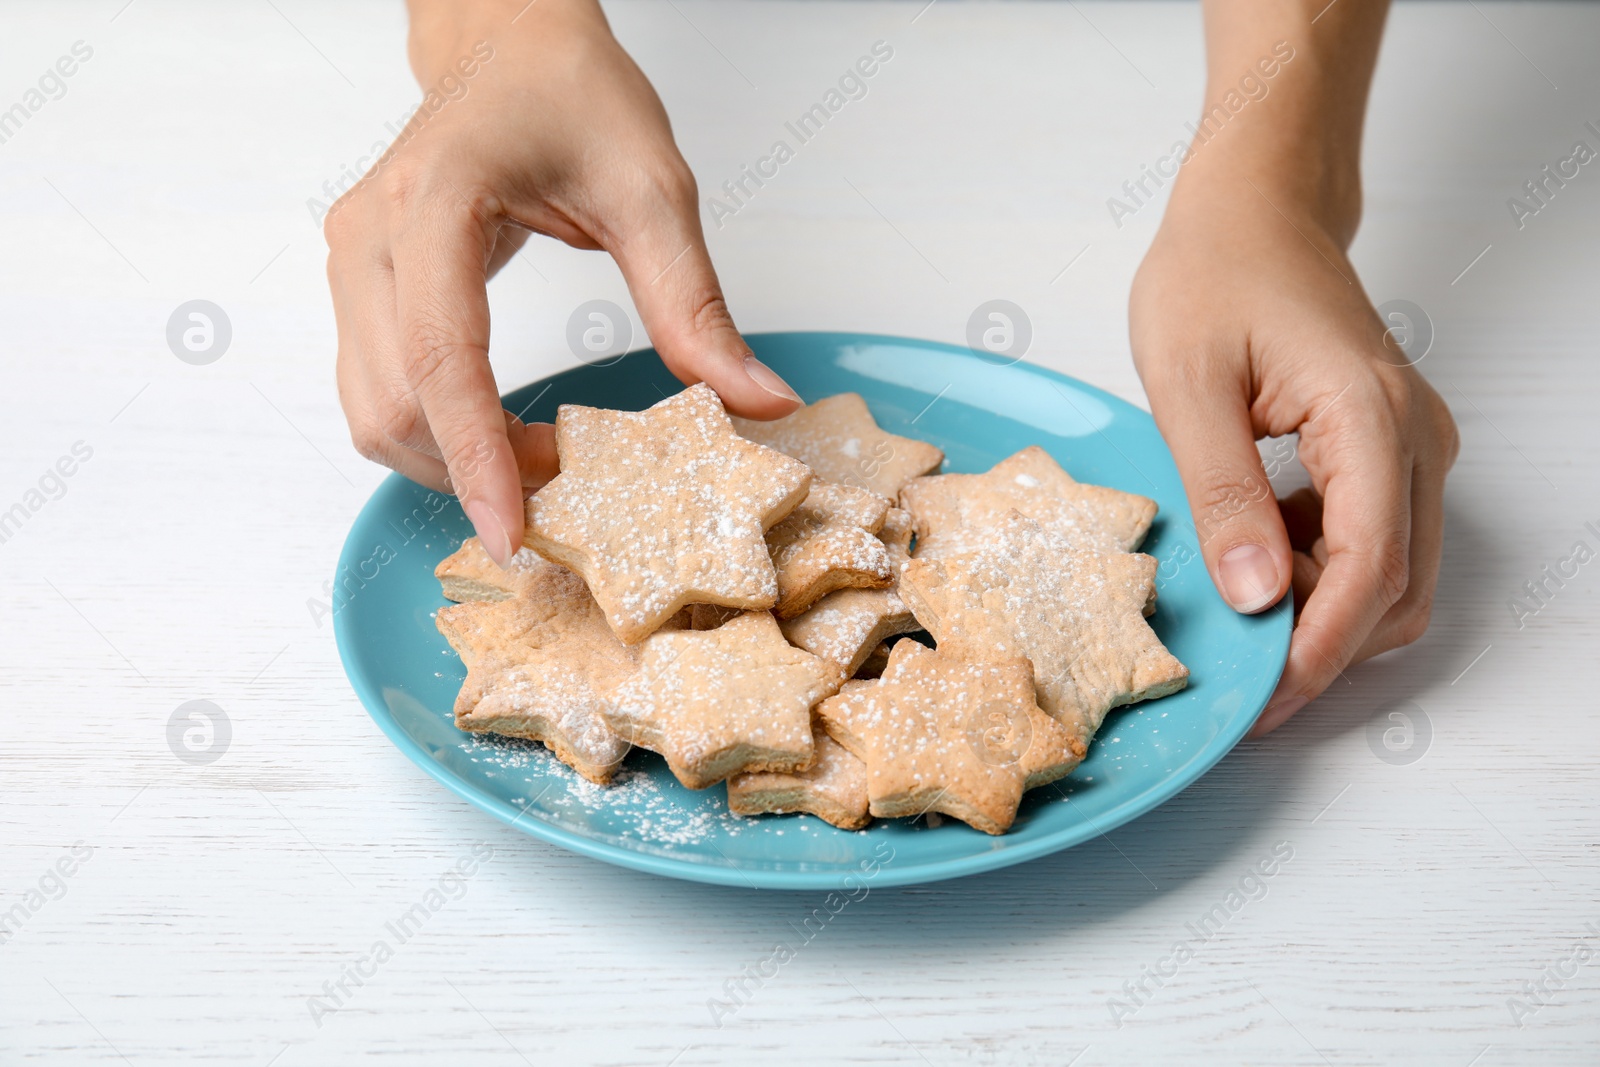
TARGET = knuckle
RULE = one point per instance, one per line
(1445, 430)
(1221, 494)
(1398, 385)
(1431, 429)
(417, 194)
(371, 198)
(1167, 369)
(402, 185)
(1390, 562)
(668, 179)
(370, 441)
(339, 225)
(398, 418)
(433, 355)
(466, 458)
(678, 184)
(708, 310)
(1414, 623)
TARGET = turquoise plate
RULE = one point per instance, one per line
(977, 410)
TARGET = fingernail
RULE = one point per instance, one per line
(1249, 577)
(1285, 708)
(491, 531)
(768, 379)
(1275, 715)
(1282, 711)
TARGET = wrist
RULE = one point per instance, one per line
(443, 31)
(1306, 179)
(1290, 126)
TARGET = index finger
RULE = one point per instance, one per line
(1366, 523)
(440, 252)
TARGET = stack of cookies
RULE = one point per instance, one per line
(724, 593)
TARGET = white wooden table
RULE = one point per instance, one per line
(176, 563)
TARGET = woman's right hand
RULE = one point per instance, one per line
(556, 131)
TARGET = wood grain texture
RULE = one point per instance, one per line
(177, 566)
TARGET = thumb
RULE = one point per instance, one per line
(675, 288)
(1206, 423)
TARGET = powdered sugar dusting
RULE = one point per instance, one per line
(714, 702)
(959, 513)
(829, 541)
(1076, 613)
(845, 626)
(664, 507)
(926, 732)
(839, 439)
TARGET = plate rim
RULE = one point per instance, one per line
(732, 874)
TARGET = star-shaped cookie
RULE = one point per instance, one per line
(662, 508)
(955, 513)
(838, 438)
(829, 542)
(1076, 613)
(833, 788)
(716, 702)
(469, 574)
(943, 734)
(845, 626)
(539, 665)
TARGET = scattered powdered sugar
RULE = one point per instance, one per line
(641, 803)
(508, 753)
(655, 513)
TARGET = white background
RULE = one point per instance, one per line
(179, 563)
